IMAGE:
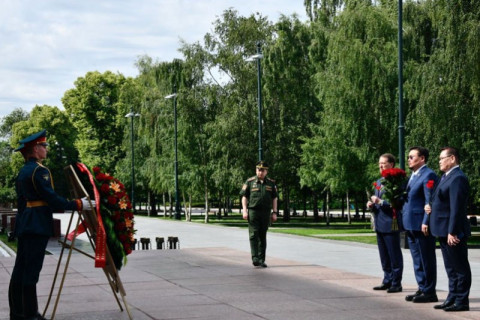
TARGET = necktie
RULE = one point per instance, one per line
(412, 177)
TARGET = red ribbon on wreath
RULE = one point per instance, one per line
(101, 240)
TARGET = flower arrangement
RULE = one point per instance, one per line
(393, 185)
(117, 215)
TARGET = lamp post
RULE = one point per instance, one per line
(178, 214)
(257, 57)
(131, 115)
(401, 126)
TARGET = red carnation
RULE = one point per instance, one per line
(112, 200)
(105, 188)
(430, 184)
(96, 170)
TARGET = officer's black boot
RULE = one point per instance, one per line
(15, 300)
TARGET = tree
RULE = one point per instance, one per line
(98, 116)
(290, 102)
(443, 89)
(357, 90)
(60, 135)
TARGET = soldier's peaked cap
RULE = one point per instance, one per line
(36, 138)
(262, 165)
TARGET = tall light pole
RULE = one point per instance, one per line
(178, 214)
(401, 122)
(131, 115)
(257, 57)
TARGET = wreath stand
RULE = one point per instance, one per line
(89, 220)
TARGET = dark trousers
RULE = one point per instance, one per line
(258, 222)
(22, 292)
(458, 270)
(424, 259)
(391, 257)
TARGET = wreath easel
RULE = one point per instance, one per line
(92, 224)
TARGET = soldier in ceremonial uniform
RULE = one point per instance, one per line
(37, 201)
(259, 196)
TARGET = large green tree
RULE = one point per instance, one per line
(94, 107)
(60, 135)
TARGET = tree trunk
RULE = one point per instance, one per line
(184, 204)
(315, 206)
(170, 211)
(343, 207)
(304, 203)
(164, 206)
(189, 218)
(152, 202)
(220, 205)
(207, 207)
(349, 214)
(286, 204)
(327, 213)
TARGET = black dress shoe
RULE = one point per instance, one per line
(383, 286)
(425, 298)
(263, 265)
(446, 303)
(256, 263)
(394, 289)
(457, 307)
(411, 296)
(38, 316)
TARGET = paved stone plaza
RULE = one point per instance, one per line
(211, 277)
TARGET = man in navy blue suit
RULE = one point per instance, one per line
(416, 224)
(388, 240)
(450, 224)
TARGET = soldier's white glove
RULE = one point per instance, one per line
(87, 205)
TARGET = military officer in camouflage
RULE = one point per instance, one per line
(34, 225)
(259, 197)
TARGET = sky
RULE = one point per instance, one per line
(45, 45)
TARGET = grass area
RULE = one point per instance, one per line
(338, 229)
(12, 244)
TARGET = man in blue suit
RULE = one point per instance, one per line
(388, 239)
(34, 225)
(416, 225)
(450, 224)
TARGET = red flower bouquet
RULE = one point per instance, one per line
(117, 215)
(393, 185)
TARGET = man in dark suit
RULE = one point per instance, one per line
(416, 224)
(388, 239)
(34, 225)
(450, 224)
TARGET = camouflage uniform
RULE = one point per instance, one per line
(260, 197)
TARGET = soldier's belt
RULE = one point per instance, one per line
(39, 203)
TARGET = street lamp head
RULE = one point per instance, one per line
(131, 114)
(170, 96)
(255, 57)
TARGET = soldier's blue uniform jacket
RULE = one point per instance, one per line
(37, 200)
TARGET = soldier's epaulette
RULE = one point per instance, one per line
(271, 180)
(252, 178)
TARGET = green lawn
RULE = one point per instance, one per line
(4, 239)
(338, 229)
